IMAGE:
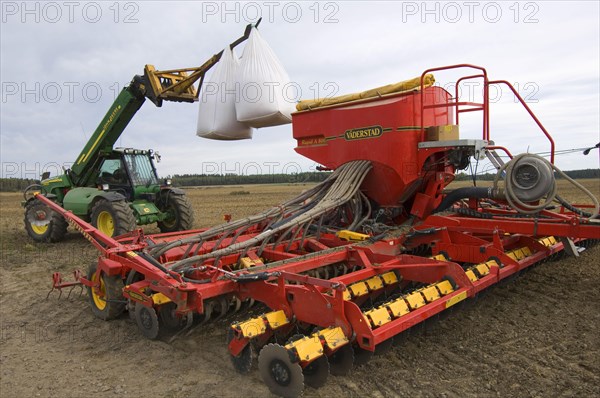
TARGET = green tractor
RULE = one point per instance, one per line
(117, 189)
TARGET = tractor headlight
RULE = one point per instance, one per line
(105, 187)
(168, 181)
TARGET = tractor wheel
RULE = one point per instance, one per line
(110, 304)
(180, 214)
(43, 224)
(113, 218)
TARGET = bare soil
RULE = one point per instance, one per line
(537, 336)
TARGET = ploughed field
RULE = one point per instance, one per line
(536, 336)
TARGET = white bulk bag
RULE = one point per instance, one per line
(216, 117)
(262, 80)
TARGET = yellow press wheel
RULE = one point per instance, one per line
(106, 300)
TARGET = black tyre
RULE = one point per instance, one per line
(113, 218)
(110, 304)
(37, 225)
(180, 214)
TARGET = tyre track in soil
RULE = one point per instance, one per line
(534, 337)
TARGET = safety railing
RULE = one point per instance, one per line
(469, 106)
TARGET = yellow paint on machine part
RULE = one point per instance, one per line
(431, 293)
(491, 263)
(378, 316)
(252, 327)
(131, 254)
(307, 348)
(333, 337)
(347, 295)
(548, 241)
(247, 262)
(483, 269)
(526, 251)
(445, 287)
(352, 236)
(456, 299)
(389, 278)
(358, 289)
(519, 254)
(439, 257)
(471, 275)
(398, 307)
(160, 299)
(374, 283)
(48, 182)
(415, 300)
(512, 255)
(276, 319)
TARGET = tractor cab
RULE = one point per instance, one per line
(130, 172)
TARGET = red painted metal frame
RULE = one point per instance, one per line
(456, 103)
(480, 107)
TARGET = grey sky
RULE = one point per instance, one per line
(55, 56)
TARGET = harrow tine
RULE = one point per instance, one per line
(185, 330)
(384, 347)
(316, 372)
(361, 356)
(341, 361)
(58, 284)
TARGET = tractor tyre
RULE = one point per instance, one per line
(54, 231)
(180, 211)
(110, 304)
(113, 218)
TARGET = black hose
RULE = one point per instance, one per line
(154, 262)
(572, 208)
(462, 193)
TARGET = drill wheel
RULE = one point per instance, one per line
(147, 321)
(341, 361)
(362, 356)
(384, 347)
(279, 373)
(170, 321)
(316, 372)
(243, 362)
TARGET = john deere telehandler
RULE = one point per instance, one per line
(118, 188)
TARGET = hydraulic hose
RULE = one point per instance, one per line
(347, 180)
(463, 193)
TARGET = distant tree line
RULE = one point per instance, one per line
(192, 180)
(195, 180)
(14, 184)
